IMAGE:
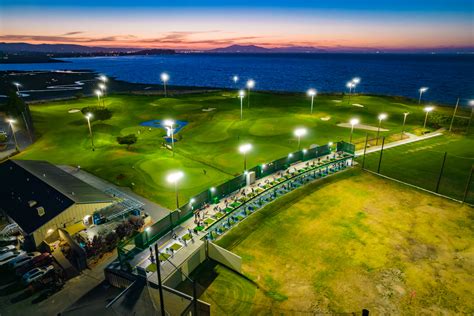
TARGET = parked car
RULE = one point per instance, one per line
(36, 274)
(39, 261)
(9, 256)
(23, 259)
(8, 240)
(7, 249)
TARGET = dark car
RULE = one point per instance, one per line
(39, 261)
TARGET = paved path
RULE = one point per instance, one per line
(411, 139)
(156, 211)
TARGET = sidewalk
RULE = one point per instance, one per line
(412, 138)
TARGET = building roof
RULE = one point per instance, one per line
(34, 192)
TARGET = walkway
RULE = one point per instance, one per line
(411, 139)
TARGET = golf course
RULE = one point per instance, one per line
(206, 149)
(333, 247)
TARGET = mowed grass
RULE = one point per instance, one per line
(420, 164)
(353, 241)
(207, 150)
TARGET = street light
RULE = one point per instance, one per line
(169, 124)
(99, 94)
(17, 85)
(103, 78)
(355, 82)
(102, 88)
(471, 104)
(353, 122)
(404, 120)
(350, 85)
(164, 77)
(250, 85)
(298, 133)
(88, 117)
(422, 90)
(244, 149)
(174, 178)
(312, 93)
(427, 109)
(381, 117)
(241, 96)
(11, 122)
(235, 78)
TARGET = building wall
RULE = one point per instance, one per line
(72, 215)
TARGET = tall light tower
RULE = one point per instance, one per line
(381, 117)
(235, 79)
(404, 121)
(241, 96)
(170, 125)
(353, 123)
(312, 93)
(88, 118)
(99, 94)
(298, 133)
(427, 109)
(355, 82)
(244, 149)
(422, 90)
(165, 78)
(104, 80)
(250, 85)
(174, 179)
(17, 85)
(12, 122)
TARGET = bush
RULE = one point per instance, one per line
(3, 138)
(99, 113)
(128, 140)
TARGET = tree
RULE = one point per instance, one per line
(99, 113)
(128, 140)
(14, 105)
(3, 138)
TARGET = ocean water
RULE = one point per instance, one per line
(447, 76)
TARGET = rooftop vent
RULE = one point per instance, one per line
(32, 203)
(40, 211)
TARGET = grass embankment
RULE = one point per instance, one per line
(206, 150)
(356, 242)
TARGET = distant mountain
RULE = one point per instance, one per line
(259, 49)
(59, 48)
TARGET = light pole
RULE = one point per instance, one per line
(471, 104)
(353, 122)
(422, 90)
(244, 149)
(298, 133)
(11, 122)
(17, 85)
(404, 121)
(104, 79)
(235, 79)
(355, 82)
(250, 85)
(381, 117)
(88, 117)
(170, 124)
(99, 94)
(174, 178)
(241, 96)
(350, 85)
(427, 109)
(312, 93)
(164, 77)
(102, 88)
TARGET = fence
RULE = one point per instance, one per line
(166, 224)
(440, 172)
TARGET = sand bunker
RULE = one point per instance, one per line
(326, 118)
(208, 109)
(74, 111)
(337, 101)
(362, 126)
(358, 105)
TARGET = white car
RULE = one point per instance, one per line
(36, 273)
(7, 249)
(9, 256)
(23, 259)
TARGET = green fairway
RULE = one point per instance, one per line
(353, 241)
(206, 150)
(420, 164)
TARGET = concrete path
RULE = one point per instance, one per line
(411, 139)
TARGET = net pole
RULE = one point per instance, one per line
(381, 153)
(441, 172)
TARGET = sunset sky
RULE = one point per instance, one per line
(382, 24)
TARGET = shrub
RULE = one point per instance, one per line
(128, 140)
(99, 113)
